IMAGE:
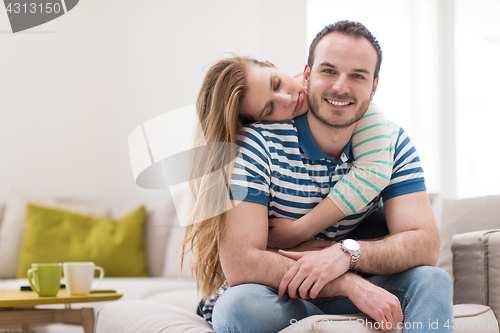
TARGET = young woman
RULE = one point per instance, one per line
(238, 91)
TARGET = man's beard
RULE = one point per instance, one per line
(358, 114)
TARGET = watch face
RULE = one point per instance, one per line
(351, 245)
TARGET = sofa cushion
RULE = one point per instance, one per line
(469, 318)
(2, 209)
(474, 318)
(148, 317)
(185, 298)
(437, 207)
(465, 215)
(335, 324)
(493, 273)
(160, 215)
(11, 229)
(55, 235)
(157, 231)
(471, 250)
(478, 250)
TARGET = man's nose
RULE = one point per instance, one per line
(340, 86)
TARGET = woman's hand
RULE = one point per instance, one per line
(312, 245)
(285, 233)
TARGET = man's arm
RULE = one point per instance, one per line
(243, 250)
(244, 259)
(413, 241)
(243, 246)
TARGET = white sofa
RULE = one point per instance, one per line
(166, 301)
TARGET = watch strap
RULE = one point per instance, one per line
(354, 255)
(354, 259)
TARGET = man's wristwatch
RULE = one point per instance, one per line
(351, 247)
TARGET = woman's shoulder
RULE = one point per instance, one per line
(271, 126)
(269, 130)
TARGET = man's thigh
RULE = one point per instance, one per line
(257, 308)
(344, 306)
(424, 293)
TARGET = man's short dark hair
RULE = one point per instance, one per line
(348, 28)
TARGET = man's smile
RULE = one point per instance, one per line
(337, 103)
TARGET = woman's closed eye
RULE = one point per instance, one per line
(278, 83)
(271, 105)
(271, 109)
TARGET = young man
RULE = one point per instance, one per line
(269, 289)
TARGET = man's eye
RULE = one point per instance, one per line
(328, 71)
(357, 76)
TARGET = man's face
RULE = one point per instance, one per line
(340, 84)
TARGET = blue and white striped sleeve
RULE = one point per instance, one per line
(251, 177)
(407, 173)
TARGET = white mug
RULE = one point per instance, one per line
(79, 277)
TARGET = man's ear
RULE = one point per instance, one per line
(306, 74)
(374, 89)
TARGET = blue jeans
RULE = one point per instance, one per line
(424, 293)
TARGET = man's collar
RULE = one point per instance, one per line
(307, 144)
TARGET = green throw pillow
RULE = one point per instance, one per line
(56, 235)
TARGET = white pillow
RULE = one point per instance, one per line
(148, 317)
(157, 234)
(173, 251)
(11, 229)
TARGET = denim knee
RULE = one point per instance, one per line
(430, 292)
(431, 281)
(240, 306)
(239, 299)
(431, 276)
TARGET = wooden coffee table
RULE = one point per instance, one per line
(17, 308)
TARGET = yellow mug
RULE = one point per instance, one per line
(45, 279)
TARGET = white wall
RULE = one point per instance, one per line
(73, 89)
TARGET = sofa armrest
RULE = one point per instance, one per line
(476, 268)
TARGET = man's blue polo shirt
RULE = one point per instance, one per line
(280, 166)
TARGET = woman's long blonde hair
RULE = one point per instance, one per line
(219, 107)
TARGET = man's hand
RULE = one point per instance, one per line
(375, 302)
(285, 233)
(312, 271)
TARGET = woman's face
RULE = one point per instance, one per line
(273, 95)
